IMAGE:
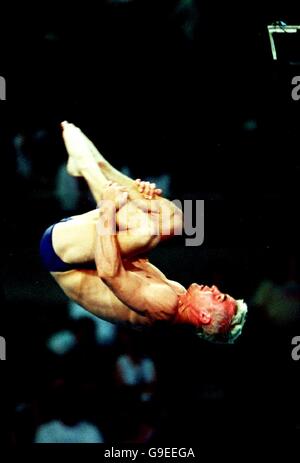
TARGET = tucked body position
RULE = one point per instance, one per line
(99, 258)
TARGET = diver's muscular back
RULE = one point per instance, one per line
(87, 289)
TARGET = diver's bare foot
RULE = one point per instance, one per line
(72, 168)
(89, 144)
(79, 150)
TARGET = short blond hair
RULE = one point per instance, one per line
(235, 329)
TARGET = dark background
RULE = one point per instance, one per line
(160, 97)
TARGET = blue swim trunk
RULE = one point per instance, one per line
(51, 261)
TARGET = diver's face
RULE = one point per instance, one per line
(210, 298)
(203, 291)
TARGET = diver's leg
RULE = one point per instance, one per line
(97, 171)
(80, 162)
(83, 158)
(74, 240)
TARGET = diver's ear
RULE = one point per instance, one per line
(205, 317)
